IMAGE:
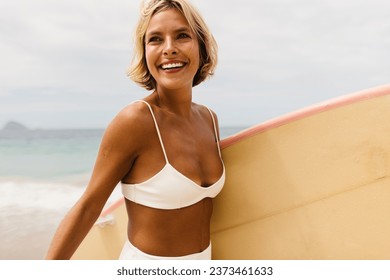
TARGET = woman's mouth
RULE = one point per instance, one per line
(171, 66)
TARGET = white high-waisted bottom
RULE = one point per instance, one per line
(130, 252)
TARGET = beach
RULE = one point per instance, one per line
(42, 175)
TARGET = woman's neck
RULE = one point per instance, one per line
(177, 101)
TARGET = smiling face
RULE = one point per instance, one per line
(171, 50)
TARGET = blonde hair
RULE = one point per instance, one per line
(208, 48)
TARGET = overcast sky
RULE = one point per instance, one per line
(63, 62)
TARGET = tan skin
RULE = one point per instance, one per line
(131, 152)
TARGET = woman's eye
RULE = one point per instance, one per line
(154, 39)
(183, 36)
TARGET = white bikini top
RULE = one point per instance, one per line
(170, 189)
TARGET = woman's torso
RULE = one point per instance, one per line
(191, 150)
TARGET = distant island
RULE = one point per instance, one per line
(14, 126)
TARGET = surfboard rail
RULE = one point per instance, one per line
(308, 111)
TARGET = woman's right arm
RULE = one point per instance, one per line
(120, 146)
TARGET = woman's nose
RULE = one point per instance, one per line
(170, 47)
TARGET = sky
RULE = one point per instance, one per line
(63, 62)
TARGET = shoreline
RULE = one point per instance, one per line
(31, 210)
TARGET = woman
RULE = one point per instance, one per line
(164, 149)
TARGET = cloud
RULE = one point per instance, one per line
(275, 56)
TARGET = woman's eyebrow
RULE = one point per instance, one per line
(152, 33)
(182, 29)
(176, 30)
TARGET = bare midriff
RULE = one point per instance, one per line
(170, 233)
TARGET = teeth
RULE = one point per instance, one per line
(172, 65)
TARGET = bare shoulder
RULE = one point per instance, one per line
(208, 115)
(205, 111)
(134, 115)
(129, 126)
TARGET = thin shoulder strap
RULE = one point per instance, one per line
(158, 130)
(215, 131)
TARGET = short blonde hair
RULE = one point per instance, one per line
(208, 48)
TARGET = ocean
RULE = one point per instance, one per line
(42, 174)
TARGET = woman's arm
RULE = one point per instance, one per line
(119, 148)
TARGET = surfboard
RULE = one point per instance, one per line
(313, 184)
